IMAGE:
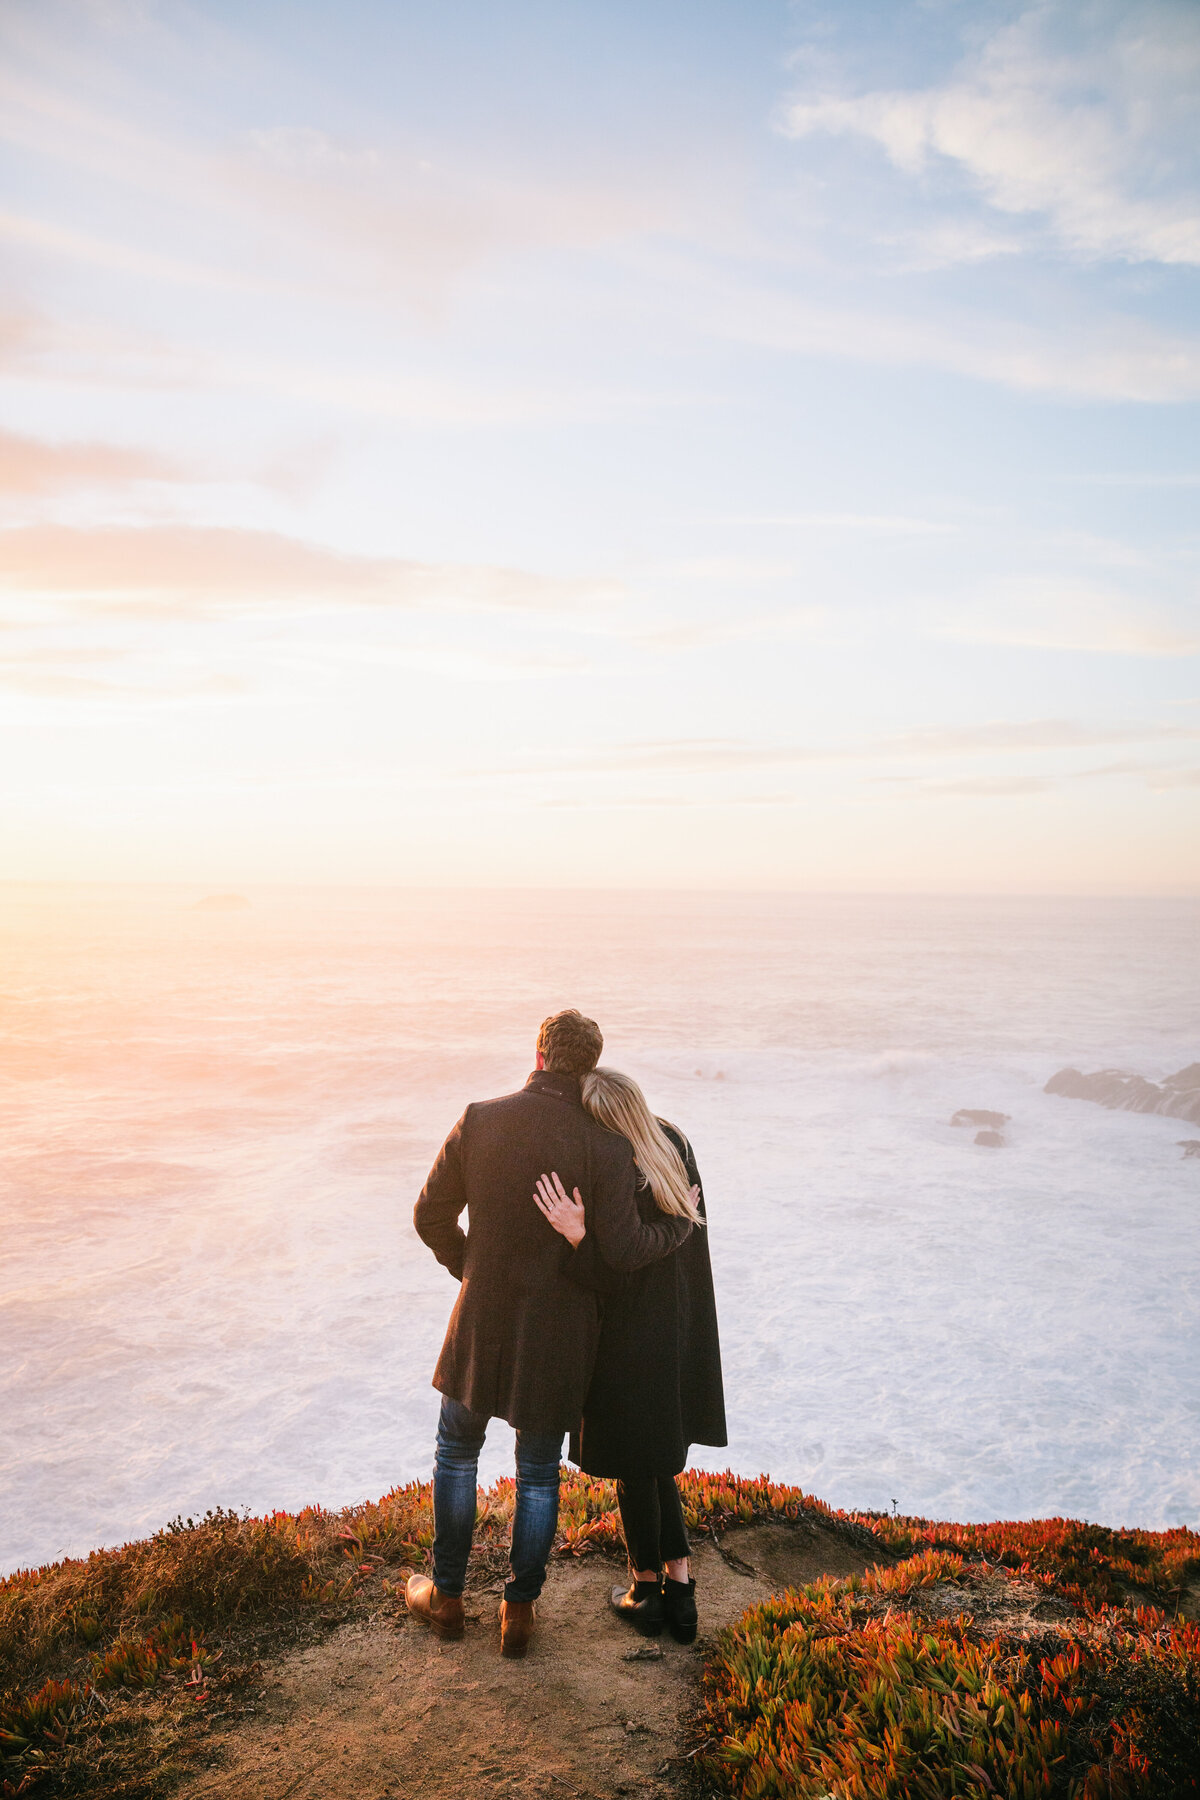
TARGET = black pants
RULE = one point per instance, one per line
(652, 1520)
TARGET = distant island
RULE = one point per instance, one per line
(221, 903)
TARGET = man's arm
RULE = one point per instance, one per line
(584, 1265)
(442, 1199)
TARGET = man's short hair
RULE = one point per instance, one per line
(569, 1043)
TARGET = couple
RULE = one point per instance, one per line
(586, 1306)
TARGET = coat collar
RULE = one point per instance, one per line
(556, 1084)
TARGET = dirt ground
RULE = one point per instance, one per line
(381, 1710)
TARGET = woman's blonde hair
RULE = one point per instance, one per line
(617, 1101)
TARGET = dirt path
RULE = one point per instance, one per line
(383, 1711)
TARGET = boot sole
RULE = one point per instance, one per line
(645, 1628)
(449, 1634)
(684, 1634)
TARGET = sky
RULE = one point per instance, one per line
(723, 444)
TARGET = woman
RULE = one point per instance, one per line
(657, 1387)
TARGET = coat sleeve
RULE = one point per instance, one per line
(586, 1267)
(442, 1199)
(623, 1239)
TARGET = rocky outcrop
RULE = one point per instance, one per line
(1190, 1146)
(976, 1115)
(994, 1140)
(1177, 1098)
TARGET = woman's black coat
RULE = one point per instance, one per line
(656, 1388)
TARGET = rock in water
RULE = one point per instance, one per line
(1177, 1098)
(1190, 1146)
(994, 1139)
(977, 1115)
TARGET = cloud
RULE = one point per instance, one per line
(1133, 479)
(1052, 612)
(296, 208)
(20, 332)
(678, 756)
(921, 249)
(855, 524)
(35, 468)
(49, 686)
(797, 624)
(335, 381)
(1157, 778)
(403, 218)
(1084, 117)
(297, 214)
(992, 787)
(1001, 737)
(31, 467)
(122, 258)
(1090, 353)
(452, 662)
(50, 671)
(1154, 776)
(46, 670)
(666, 802)
(192, 571)
(1016, 737)
(1074, 348)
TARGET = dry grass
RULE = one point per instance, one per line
(107, 1663)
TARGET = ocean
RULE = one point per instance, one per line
(216, 1121)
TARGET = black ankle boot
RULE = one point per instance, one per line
(679, 1609)
(642, 1605)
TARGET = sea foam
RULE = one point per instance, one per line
(216, 1122)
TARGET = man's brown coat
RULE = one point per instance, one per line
(521, 1341)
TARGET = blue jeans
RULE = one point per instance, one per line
(455, 1483)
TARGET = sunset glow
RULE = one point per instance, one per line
(626, 446)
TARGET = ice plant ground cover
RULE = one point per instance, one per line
(866, 1689)
(1039, 1658)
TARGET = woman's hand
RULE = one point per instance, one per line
(554, 1203)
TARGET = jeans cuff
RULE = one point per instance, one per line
(520, 1590)
(451, 1588)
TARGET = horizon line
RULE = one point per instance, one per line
(233, 886)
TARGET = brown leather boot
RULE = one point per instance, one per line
(516, 1626)
(443, 1611)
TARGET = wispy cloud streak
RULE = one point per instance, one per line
(190, 571)
(723, 755)
(31, 467)
(1080, 116)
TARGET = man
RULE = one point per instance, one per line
(522, 1338)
